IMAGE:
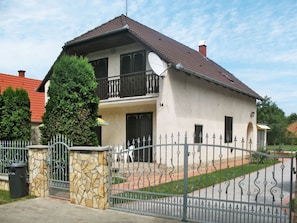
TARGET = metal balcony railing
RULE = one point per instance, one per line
(128, 85)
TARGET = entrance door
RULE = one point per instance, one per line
(139, 125)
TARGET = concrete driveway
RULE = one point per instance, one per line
(48, 210)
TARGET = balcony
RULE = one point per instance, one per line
(128, 85)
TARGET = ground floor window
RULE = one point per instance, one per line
(198, 138)
(228, 129)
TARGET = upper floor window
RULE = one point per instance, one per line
(133, 62)
(101, 73)
(228, 129)
(198, 134)
(100, 67)
(134, 84)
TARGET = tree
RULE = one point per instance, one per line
(15, 115)
(268, 113)
(73, 105)
(292, 118)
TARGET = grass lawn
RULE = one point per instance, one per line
(209, 179)
(5, 197)
(279, 148)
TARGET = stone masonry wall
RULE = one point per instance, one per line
(4, 183)
(89, 177)
(38, 176)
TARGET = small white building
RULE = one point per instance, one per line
(262, 136)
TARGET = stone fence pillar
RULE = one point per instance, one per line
(88, 169)
(38, 170)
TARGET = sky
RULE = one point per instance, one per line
(256, 40)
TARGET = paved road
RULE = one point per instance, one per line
(48, 210)
(265, 186)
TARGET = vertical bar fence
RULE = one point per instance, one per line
(211, 181)
(12, 152)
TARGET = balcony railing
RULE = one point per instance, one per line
(128, 85)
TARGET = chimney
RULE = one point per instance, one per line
(202, 47)
(21, 73)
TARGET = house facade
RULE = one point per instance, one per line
(192, 94)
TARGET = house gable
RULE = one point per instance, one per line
(122, 31)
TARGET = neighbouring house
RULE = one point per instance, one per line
(292, 128)
(37, 100)
(177, 89)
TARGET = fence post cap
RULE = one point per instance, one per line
(37, 147)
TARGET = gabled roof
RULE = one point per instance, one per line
(167, 48)
(36, 98)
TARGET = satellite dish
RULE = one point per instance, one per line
(156, 63)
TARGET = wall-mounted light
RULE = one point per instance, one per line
(252, 114)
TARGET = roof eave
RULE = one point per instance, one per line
(47, 76)
(180, 67)
(86, 40)
(71, 44)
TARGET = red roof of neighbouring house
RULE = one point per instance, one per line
(36, 98)
(293, 128)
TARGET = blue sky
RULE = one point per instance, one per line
(254, 40)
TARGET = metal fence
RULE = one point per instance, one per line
(12, 152)
(58, 167)
(211, 181)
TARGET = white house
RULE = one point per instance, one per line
(191, 93)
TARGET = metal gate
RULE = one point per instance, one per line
(58, 167)
(210, 181)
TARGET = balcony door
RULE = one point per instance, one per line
(139, 125)
(133, 74)
(101, 73)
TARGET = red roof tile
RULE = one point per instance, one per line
(37, 100)
(293, 128)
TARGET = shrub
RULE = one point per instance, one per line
(72, 106)
(261, 156)
(15, 115)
